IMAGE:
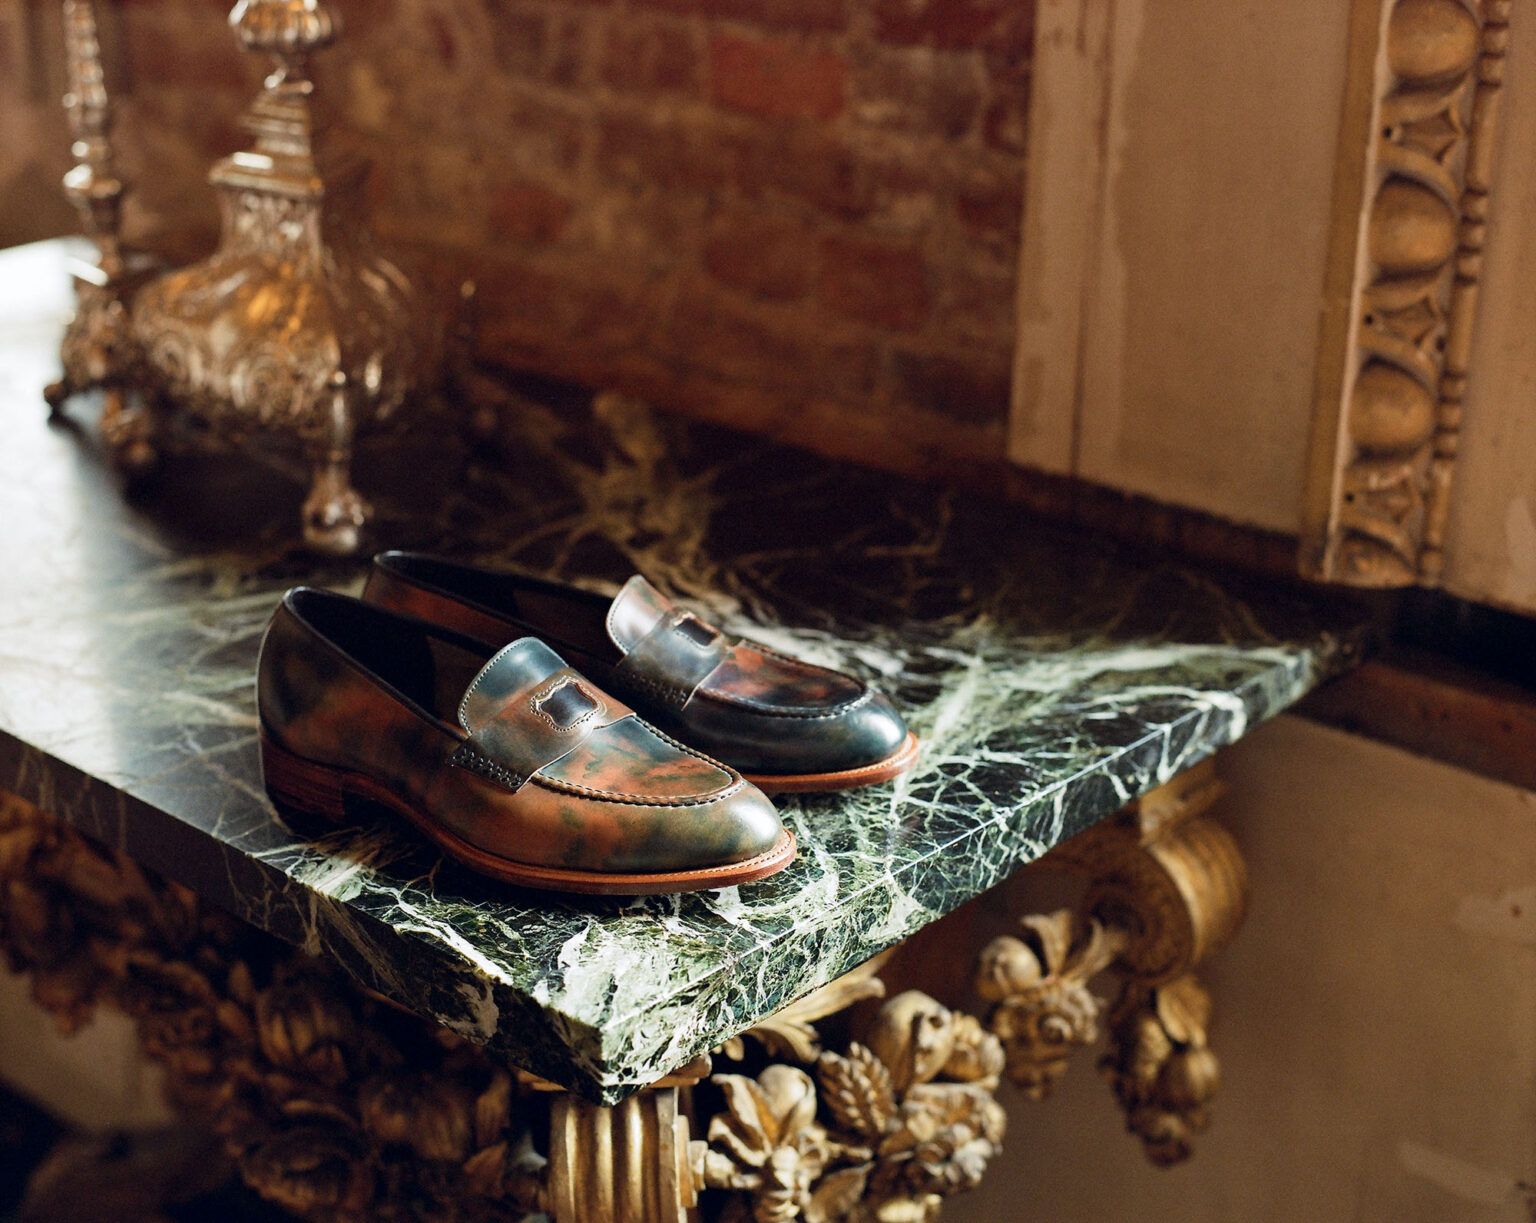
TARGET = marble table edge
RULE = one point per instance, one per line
(1258, 694)
(1310, 666)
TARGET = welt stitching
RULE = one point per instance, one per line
(769, 711)
(858, 772)
(731, 868)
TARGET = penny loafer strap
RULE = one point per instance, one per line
(670, 662)
(536, 727)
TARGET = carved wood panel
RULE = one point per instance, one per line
(1409, 223)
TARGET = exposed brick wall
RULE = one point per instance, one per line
(797, 215)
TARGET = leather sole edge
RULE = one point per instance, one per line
(898, 762)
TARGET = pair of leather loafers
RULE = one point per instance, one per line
(439, 696)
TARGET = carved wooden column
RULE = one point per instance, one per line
(1410, 215)
(1166, 887)
(628, 1163)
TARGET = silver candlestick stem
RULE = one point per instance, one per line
(97, 347)
(93, 185)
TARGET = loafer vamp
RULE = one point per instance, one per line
(763, 711)
(586, 784)
(768, 682)
(632, 761)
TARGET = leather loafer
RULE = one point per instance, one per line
(787, 725)
(507, 759)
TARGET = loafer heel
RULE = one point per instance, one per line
(302, 785)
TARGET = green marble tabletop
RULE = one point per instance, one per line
(1050, 676)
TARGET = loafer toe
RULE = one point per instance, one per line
(751, 823)
(872, 732)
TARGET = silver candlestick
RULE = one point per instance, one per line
(294, 325)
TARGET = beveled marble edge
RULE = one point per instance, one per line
(1127, 783)
(242, 883)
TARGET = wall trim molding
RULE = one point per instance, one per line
(1067, 160)
(1410, 213)
(1435, 709)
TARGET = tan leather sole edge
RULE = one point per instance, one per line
(899, 761)
(319, 790)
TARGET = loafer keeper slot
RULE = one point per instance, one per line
(670, 662)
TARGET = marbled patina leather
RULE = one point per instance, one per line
(509, 751)
(765, 713)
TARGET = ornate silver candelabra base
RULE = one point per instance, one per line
(286, 329)
(293, 326)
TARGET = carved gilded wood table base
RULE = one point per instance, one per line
(338, 1105)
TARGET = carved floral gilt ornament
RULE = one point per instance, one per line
(881, 1134)
(1410, 216)
(1166, 887)
(1043, 1009)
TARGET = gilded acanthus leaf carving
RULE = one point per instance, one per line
(1043, 1010)
(883, 1133)
(1160, 1065)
